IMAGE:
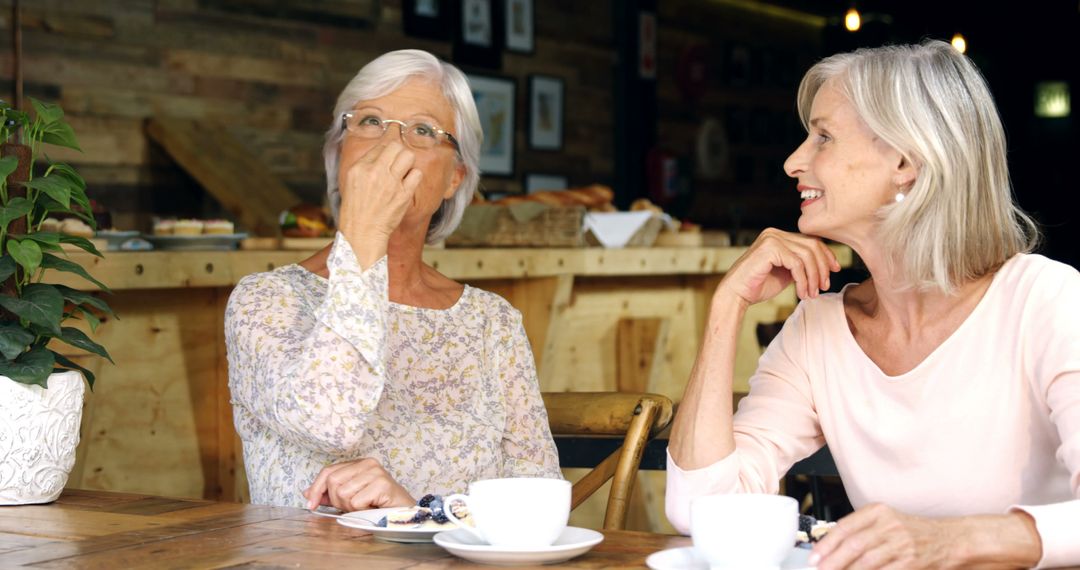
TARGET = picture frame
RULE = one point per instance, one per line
(535, 182)
(519, 26)
(546, 111)
(495, 98)
(430, 19)
(479, 33)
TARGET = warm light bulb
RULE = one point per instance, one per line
(959, 43)
(852, 20)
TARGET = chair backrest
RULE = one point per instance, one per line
(635, 416)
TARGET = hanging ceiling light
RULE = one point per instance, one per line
(852, 20)
(959, 42)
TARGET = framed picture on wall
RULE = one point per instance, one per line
(480, 33)
(495, 98)
(427, 18)
(535, 182)
(545, 112)
(519, 25)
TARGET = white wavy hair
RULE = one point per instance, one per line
(959, 220)
(382, 76)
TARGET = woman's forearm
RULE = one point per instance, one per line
(702, 432)
(997, 541)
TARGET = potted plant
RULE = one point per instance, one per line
(41, 390)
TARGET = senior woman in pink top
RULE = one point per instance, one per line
(947, 385)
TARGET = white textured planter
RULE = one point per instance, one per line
(39, 431)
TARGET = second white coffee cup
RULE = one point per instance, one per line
(745, 531)
(523, 512)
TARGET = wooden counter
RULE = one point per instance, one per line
(159, 421)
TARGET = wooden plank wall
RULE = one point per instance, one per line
(270, 72)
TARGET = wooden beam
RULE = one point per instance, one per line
(227, 170)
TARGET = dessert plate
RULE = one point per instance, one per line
(686, 558)
(571, 543)
(367, 520)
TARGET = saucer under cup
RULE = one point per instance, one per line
(523, 512)
(744, 530)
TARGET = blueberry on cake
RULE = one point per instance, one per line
(429, 513)
(811, 530)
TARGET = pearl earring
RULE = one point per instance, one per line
(899, 197)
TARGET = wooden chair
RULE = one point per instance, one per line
(635, 416)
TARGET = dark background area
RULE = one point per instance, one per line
(268, 71)
(1016, 45)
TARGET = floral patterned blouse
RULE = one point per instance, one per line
(327, 370)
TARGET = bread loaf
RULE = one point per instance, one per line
(594, 197)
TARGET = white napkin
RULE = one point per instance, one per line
(614, 229)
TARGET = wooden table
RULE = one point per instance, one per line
(98, 529)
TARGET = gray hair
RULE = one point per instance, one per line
(959, 220)
(382, 76)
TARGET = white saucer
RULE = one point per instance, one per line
(686, 558)
(367, 521)
(572, 542)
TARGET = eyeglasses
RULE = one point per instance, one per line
(417, 134)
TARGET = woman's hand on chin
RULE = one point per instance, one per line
(774, 260)
(355, 486)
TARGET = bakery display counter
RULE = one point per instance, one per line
(159, 420)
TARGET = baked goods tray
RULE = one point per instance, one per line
(212, 242)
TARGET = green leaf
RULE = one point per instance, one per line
(14, 340)
(31, 367)
(8, 164)
(69, 172)
(81, 243)
(56, 187)
(90, 317)
(60, 134)
(83, 298)
(50, 261)
(78, 339)
(49, 241)
(65, 361)
(16, 207)
(26, 253)
(20, 118)
(52, 238)
(46, 205)
(40, 304)
(47, 112)
(7, 267)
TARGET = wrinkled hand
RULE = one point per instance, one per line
(378, 190)
(356, 485)
(876, 536)
(774, 260)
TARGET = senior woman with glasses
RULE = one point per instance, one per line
(947, 385)
(362, 377)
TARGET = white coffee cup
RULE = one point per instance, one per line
(745, 531)
(523, 512)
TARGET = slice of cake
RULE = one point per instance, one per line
(218, 227)
(429, 513)
(164, 227)
(188, 228)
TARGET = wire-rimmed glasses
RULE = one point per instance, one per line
(418, 134)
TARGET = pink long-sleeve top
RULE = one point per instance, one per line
(988, 422)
